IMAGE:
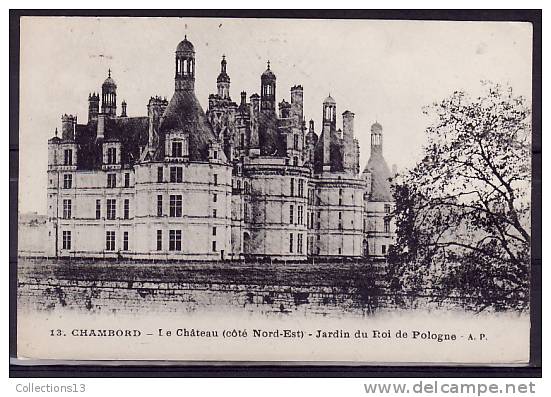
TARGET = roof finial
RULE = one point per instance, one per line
(223, 57)
(109, 72)
(56, 132)
(185, 36)
(268, 64)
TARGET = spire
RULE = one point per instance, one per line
(223, 80)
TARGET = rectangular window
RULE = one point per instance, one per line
(215, 154)
(159, 205)
(292, 187)
(68, 157)
(245, 212)
(215, 176)
(125, 241)
(299, 243)
(291, 242)
(176, 174)
(301, 187)
(127, 179)
(214, 246)
(126, 208)
(214, 197)
(300, 215)
(175, 240)
(111, 209)
(111, 180)
(159, 174)
(67, 181)
(387, 225)
(98, 209)
(291, 214)
(66, 240)
(110, 241)
(159, 240)
(111, 155)
(295, 141)
(214, 230)
(67, 205)
(383, 249)
(177, 149)
(175, 205)
(214, 213)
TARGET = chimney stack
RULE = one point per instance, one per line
(101, 126)
(348, 140)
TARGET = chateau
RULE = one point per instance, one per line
(241, 180)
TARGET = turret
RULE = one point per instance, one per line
(109, 96)
(184, 79)
(376, 139)
(268, 90)
(223, 80)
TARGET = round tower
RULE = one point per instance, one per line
(109, 96)
(267, 90)
(184, 79)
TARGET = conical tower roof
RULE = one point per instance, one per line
(185, 114)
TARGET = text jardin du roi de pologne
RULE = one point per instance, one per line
(285, 333)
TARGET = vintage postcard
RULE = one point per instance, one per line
(274, 190)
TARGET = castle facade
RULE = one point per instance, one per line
(241, 180)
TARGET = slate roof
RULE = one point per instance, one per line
(271, 141)
(185, 114)
(185, 46)
(380, 175)
(132, 132)
(335, 154)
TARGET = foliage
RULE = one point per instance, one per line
(463, 212)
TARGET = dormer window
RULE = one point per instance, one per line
(177, 149)
(111, 155)
(68, 157)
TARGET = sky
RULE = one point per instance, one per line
(384, 71)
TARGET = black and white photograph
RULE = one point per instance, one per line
(352, 191)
